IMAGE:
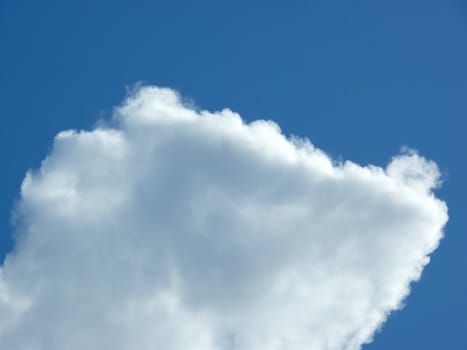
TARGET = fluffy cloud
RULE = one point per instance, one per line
(177, 229)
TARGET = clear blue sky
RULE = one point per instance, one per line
(359, 78)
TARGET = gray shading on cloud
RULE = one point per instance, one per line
(178, 229)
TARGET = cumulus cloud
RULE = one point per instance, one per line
(172, 228)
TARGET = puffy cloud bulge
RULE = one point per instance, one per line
(174, 228)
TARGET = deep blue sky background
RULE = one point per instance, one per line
(360, 78)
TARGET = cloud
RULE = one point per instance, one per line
(177, 229)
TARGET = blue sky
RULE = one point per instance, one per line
(359, 78)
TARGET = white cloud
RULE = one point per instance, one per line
(176, 229)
